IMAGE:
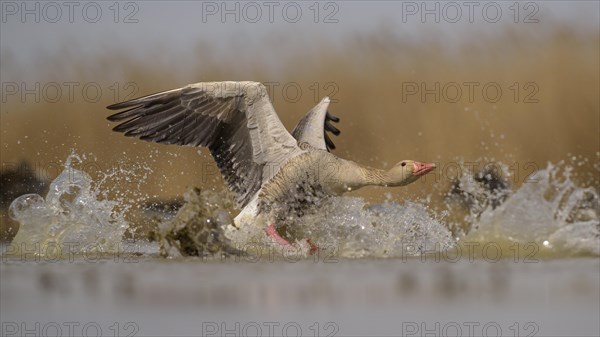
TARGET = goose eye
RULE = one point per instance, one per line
(403, 164)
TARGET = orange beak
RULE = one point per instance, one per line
(422, 168)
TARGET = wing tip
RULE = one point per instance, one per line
(330, 117)
(115, 106)
(123, 105)
(113, 117)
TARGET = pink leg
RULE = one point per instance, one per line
(313, 247)
(271, 232)
(275, 236)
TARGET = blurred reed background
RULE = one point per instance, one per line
(367, 73)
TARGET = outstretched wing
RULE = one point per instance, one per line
(313, 127)
(235, 120)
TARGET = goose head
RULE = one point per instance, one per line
(408, 171)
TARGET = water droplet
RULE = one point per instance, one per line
(25, 204)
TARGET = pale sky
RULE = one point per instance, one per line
(178, 26)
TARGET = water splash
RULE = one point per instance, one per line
(354, 229)
(197, 228)
(71, 219)
(549, 210)
(341, 227)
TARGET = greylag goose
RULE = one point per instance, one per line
(269, 170)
